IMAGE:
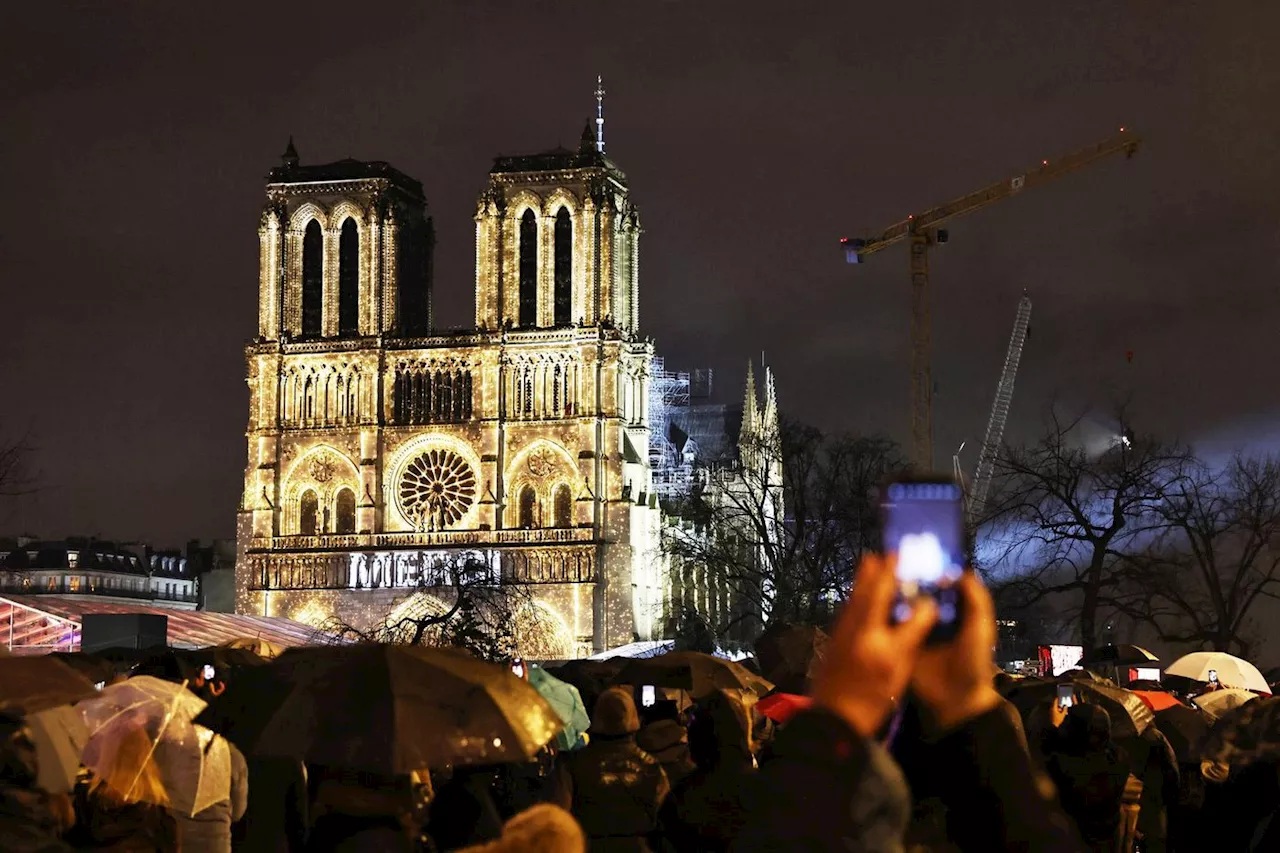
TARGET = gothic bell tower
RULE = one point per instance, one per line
(345, 252)
(557, 240)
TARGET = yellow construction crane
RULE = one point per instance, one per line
(922, 231)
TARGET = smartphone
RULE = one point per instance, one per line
(517, 668)
(648, 696)
(1066, 695)
(1213, 676)
(923, 524)
(208, 672)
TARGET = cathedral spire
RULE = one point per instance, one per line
(599, 114)
(290, 155)
(750, 406)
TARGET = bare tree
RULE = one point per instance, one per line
(781, 529)
(473, 608)
(1218, 556)
(1064, 518)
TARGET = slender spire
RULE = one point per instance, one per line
(599, 114)
(290, 155)
(750, 406)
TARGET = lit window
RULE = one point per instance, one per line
(73, 559)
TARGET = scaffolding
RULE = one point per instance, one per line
(668, 390)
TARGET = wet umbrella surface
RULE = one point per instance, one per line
(384, 709)
(696, 672)
(34, 683)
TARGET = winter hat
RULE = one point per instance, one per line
(615, 714)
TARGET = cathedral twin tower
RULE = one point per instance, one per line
(379, 448)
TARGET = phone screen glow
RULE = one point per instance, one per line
(924, 526)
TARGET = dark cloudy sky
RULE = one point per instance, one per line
(136, 137)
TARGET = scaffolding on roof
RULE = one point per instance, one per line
(668, 390)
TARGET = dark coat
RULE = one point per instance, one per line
(103, 825)
(1090, 772)
(335, 832)
(829, 789)
(707, 810)
(667, 741)
(276, 809)
(614, 789)
(463, 811)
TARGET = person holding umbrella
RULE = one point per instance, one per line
(123, 806)
(31, 820)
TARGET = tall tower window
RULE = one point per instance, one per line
(563, 268)
(563, 506)
(345, 512)
(308, 511)
(349, 279)
(528, 508)
(312, 281)
(528, 270)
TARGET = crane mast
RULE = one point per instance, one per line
(999, 411)
(922, 231)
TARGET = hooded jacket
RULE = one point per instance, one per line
(706, 810)
(613, 787)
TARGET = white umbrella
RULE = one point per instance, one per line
(194, 763)
(1231, 670)
(1217, 702)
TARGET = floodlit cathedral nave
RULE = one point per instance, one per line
(379, 447)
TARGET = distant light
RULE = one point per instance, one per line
(1124, 439)
(497, 743)
(1044, 162)
(1122, 130)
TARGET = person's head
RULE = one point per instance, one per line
(17, 752)
(720, 730)
(615, 714)
(663, 709)
(1087, 728)
(126, 772)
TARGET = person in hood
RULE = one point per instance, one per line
(665, 737)
(31, 820)
(1090, 771)
(613, 787)
(543, 828)
(706, 811)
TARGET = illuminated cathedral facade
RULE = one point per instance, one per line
(380, 448)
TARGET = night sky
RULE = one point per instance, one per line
(136, 139)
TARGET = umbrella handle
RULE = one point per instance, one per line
(164, 726)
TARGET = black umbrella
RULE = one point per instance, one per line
(30, 683)
(1246, 734)
(1120, 655)
(1130, 716)
(790, 655)
(383, 709)
(89, 665)
(1185, 729)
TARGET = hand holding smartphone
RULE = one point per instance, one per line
(923, 524)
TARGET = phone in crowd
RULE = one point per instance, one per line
(923, 524)
(517, 668)
(1213, 676)
(648, 695)
(1066, 695)
(208, 672)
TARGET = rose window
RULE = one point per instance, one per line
(437, 489)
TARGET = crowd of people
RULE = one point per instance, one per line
(907, 746)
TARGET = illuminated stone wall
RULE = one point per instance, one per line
(369, 452)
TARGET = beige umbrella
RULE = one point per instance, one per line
(1215, 703)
